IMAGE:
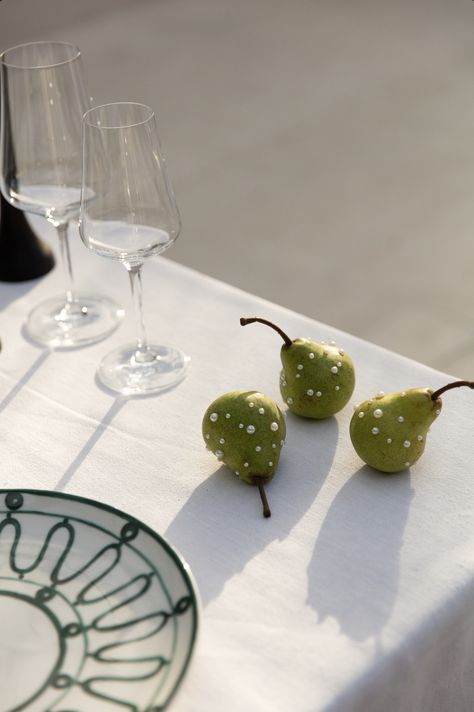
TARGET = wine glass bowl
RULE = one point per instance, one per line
(129, 213)
(43, 101)
(41, 172)
(134, 216)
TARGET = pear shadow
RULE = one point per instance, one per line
(24, 379)
(353, 575)
(226, 510)
(114, 409)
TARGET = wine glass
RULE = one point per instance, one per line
(43, 101)
(129, 213)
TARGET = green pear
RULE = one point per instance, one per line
(317, 379)
(389, 431)
(246, 430)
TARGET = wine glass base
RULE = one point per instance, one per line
(89, 318)
(127, 371)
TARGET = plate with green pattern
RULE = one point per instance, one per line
(97, 612)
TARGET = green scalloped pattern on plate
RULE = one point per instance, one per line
(97, 611)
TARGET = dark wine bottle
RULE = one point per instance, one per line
(23, 255)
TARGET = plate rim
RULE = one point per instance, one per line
(175, 555)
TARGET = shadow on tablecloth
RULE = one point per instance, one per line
(88, 446)
(220, 528)
(11, 291)
(35, 366)
(354, 571)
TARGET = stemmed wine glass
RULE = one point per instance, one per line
(129, 213)
(43, 102)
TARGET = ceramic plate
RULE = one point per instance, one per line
(97, 612)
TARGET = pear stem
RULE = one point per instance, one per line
(251, 320)
(455, 384)
(263, 496)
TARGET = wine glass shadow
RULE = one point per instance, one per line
(35, 366)
(353, 575)
(117, 405)
(220, 528)
(114, 409)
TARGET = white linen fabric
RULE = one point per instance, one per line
(356, 596)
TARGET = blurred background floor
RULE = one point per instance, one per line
(321, 151)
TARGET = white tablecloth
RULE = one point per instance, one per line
(356, 596)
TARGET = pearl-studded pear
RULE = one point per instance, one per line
(389, 431)
(246, 430)
(317, 380)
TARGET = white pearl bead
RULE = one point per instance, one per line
(375, 431)
(407, 443)
(250, 429)
(378, 413)
(274, 427)
(213, 417)
(310, 392)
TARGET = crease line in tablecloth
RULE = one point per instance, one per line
(80, 416)
(21, 383)
(98, 424)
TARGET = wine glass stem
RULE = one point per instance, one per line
(135, 275)
(65, 253)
